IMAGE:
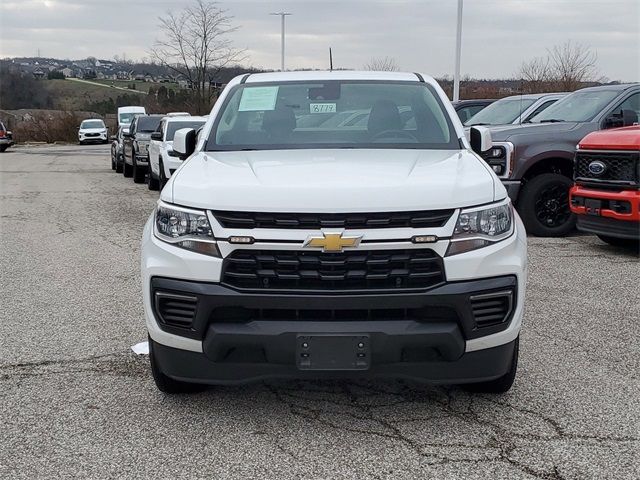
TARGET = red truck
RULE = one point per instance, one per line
(606, 194)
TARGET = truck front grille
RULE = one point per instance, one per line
(318, 271)
(314, 221)
(620, 167)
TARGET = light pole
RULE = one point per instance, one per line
(456, 74)
(282, 15)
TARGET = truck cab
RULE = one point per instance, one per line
(606, 196)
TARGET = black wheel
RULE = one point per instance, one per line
(153, 184)
(166, 384)
(163, 177)
(544, 206)
(119, 163)
(113, 159)
(137, 172)
(3, 148)
(621, 242)
(127, 170)
(501, 384)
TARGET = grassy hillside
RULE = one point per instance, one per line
(140, 86)
(70, 95)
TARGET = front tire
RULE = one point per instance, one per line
(137, 172)
(167, 384)
(503, 383)
(119, 164)
(544, 206)
(127, 170)
(163, 177)
(3, 148)
(153, 184)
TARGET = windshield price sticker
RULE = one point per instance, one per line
(258, 99)
(322, 107)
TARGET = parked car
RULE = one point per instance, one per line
(162, 159)
(6, 138)
(278, 251)
(117, 155)
(92, 130)
(535, 160)
(514, 110)
(135, 146)
(468, 108)
(606, 196)
(127, 114)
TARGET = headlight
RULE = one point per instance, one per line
(479, 227)
(185, 228)
(500, 158)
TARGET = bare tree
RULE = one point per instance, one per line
(566, 67)
(536, 75)
(573, 64)
(382, 64)
(195, 44)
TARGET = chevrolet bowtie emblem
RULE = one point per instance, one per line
(333, 242)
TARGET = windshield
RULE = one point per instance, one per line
(173, 127)
(127, 118)
(502, 112)
(577, 107)
(147, 124)
(332, 114)
(92, 124)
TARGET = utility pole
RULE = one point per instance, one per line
(456, 74)
(282, 15)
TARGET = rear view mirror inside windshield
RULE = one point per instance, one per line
(329, 91)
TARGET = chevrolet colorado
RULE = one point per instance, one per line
(388, 249)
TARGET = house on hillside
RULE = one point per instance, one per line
(67, 72)
(38, 73)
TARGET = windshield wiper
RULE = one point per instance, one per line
(479, 124)
(552, 120)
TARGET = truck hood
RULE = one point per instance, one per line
(506, 132)
(340, 180)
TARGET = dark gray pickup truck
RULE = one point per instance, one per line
(535, 160)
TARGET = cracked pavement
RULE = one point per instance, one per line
(75, 402)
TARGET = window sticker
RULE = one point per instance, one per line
(322, 108)
(258, 98)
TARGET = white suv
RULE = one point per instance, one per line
(92, 130)
(386, 248)
(162, 159)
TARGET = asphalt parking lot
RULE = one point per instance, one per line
(75, 402)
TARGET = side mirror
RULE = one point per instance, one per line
(480, 139)
(184, 142)
(625, 118)
(156, 136)
(629, 118)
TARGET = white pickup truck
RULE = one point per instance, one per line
(290, 246)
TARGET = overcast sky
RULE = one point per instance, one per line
(419, 34)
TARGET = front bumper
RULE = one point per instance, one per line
(603, 212)
(102, 137)
(444, 345)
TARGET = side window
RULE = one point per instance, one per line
(541, 107)
(631, 103)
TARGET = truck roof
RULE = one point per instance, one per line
(624, 138)
(332, 75)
